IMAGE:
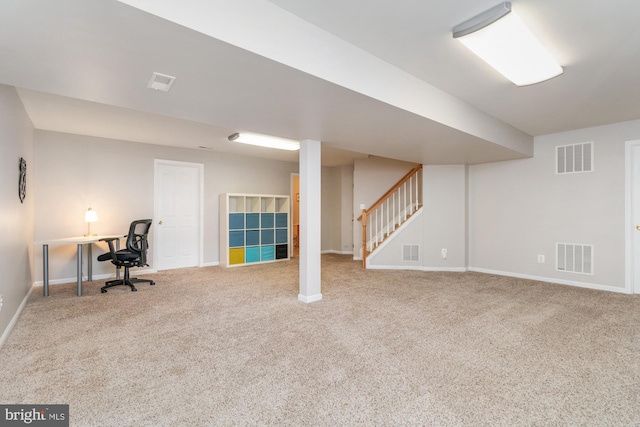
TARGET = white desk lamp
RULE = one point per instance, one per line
(90, 216)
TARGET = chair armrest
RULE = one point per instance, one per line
(112, 250)
(143, 252)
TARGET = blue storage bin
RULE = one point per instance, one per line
(281, 235)
(282, 220)
(236, 221)
(253, 237)
(253, 220)
(236, 239)
(266, 237)
(266, 220)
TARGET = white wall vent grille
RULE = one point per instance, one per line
(574, 158)
(574, 258)
(161, 82)
(411, 253)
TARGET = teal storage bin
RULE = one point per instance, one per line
(252, 254)
(267, 253)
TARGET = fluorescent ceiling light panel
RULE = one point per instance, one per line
(265, 141)
(500, 38)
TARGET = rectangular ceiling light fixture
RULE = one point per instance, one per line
(500, 38)
(265, 141)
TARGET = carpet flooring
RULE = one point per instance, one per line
(234, 347)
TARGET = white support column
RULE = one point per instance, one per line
(310, 221)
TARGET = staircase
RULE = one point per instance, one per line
(392, 210)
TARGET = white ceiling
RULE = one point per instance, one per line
(375, 77)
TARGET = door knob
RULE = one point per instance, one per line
(638, 227)
(160, 223)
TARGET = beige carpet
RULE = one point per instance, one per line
(214, 346)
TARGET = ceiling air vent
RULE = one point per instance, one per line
(161, 82)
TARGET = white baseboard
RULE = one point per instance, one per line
(416, 268)
(39, 283)
(449, 269)
(337, 252)
(393, 267)
(552, 280)
(310, 298)
(504, 273)
(14, 319)
(210, 264)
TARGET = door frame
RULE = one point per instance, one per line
(294, 204)
(200, 195)
(630, 250)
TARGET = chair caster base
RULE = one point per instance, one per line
(125, 282)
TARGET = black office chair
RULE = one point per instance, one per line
(135, 255)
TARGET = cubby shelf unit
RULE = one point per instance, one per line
(254, 228)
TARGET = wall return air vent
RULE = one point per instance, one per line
(161, 82)
(574, 158)
(411, 253)
(574, 258)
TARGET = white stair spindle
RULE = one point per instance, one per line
(404, 186)
(417, 191)
(413, 200)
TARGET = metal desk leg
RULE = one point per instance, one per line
(89, 263)
(45, 270)
(117, 269)
(79, 257)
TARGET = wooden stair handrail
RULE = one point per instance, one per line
(386, 195)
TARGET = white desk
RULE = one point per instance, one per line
(78, 241)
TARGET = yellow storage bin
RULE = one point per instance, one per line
(236, 256)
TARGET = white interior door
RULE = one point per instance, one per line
(178, 204)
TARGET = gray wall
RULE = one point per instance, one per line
(331, 205)
(520, 209)
(440, 225)
(372, 177)
(444, 219)
(116, 179)
(16, 226)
